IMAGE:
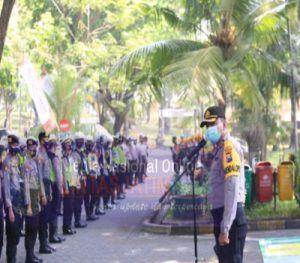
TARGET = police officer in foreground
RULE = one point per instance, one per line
(226, 193)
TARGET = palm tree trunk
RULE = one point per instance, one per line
(293, 95)
(4, 19)
(148, 110)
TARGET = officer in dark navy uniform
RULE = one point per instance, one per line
(93, 171)
(226, 192)
(81, 164)
(14, 198)
(44, 165)
(2, 157)
(55, 177)
(71, 183)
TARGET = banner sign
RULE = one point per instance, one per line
(35, 88)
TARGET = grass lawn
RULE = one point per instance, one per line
(284, 209)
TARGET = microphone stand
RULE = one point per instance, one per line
(188, 168)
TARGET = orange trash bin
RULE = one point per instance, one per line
(286, 179)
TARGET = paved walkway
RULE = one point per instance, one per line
(117, 237)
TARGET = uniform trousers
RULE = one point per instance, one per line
(233, 252)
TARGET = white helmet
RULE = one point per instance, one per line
(79, 135)
(52, 137)
(89, 138)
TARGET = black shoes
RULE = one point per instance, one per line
(99, 212)
(45, 250)
(68, 231)
(92, 218)
(56, 239)
(34, 259)
(80, 225)
(51, 248)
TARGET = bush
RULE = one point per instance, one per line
(186, 189)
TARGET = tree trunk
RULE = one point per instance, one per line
(148, 110)
(8, 112)
(119, 121)
(103, 115)
(126, 126)
(293, 95)
(4, 19)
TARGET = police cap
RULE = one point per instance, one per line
(212, 114)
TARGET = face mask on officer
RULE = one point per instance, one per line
(67, 147)
(45, 142)
(32, 152)
(89, 146)
(212, 134)
(51, 146)
(14, 150)
(79, 144)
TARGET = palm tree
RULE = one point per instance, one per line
(227, 35)
(67, 97)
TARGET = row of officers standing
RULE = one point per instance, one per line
(46, 174)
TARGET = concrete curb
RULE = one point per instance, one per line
(184, 228)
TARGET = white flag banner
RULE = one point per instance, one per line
(35, 87)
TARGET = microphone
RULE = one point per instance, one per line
(200, 145)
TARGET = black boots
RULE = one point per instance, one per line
(30, 239)
(53, 236)
(11, 252)
(67, 230)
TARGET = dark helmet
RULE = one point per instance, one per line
(12, 139)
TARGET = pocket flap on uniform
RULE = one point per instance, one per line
(241, 218)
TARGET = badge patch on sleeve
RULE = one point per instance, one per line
(232, 161)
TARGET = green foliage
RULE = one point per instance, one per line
(186, 189)
(285, 209)
(67, 96)
(8, 82)
(197, 50)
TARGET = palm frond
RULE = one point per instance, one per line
(203, 69)
(205, 59)
(164, 49)
(260, 17)
(246, 83)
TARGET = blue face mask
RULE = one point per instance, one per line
(213, 135)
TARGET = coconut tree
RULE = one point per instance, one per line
(226, 32)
